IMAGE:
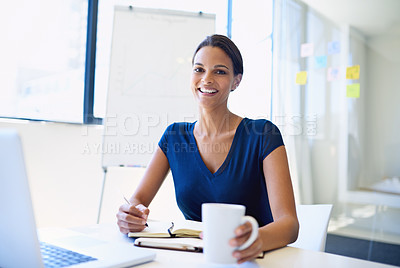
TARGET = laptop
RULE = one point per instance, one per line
(19, 243)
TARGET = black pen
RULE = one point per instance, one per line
(127, 201)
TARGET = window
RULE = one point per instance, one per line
(43, 59)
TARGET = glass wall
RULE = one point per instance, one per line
(336, 69)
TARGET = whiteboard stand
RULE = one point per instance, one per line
(102, 194)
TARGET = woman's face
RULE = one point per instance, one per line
(213, 77)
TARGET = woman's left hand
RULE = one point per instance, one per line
(243, 233)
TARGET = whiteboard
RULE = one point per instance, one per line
(149, 80)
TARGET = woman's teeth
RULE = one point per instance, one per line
(208, 90)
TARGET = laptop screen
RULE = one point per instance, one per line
(18, 234)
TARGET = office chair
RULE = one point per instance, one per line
(313, 220)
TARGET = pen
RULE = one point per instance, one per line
(127, 201)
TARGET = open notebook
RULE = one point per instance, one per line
(173, 229)
(176, 235)
(19, 244)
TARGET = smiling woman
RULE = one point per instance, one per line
(261, 183)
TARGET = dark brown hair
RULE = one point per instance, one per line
(226, 45)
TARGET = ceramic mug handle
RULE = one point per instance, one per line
(254, 232)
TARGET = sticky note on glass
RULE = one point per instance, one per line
(353, 91)
(333, 74)
(307, 50)
(301, 78)
(353, 72)
(321, 61)
(333, 47)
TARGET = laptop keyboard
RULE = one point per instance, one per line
(58, 257)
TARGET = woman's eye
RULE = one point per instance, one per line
(198, 70)
(220, 72)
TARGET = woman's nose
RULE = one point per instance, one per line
(207, 78)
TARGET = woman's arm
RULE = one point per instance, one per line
(284, 229)
(133, 216)
(152, 179)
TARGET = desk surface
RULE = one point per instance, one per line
(280, 258)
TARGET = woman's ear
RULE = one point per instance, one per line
(236, 81)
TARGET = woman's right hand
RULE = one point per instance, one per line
(132, 218)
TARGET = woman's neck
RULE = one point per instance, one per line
(213, 123)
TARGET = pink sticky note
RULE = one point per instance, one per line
(307, 50)
(333, 74)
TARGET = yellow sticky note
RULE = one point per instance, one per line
(353, 72)
(353, 91)
(301, 78)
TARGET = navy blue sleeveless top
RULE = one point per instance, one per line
(239, 180)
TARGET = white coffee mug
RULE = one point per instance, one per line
(219, 224)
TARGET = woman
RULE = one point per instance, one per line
(221, 158)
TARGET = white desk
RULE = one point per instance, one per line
(280, 258)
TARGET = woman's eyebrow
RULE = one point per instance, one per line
(215, 66)
(221, 65)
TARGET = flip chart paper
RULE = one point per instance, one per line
(333, 74)
(353, 91)
(321, 61)
(353, 72)
(301, 78)
(333, 47)
(307, 50)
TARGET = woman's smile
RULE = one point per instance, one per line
(207, 91)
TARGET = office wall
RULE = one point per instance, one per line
(382, 144)
(65, 175)
(65, 183)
